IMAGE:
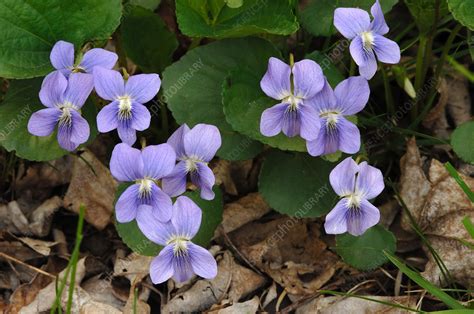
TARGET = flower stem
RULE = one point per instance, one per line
(352, 68)
(439, 67)
(419, 76)
(388, 93)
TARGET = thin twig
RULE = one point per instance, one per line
(229, 241)
(27, 265)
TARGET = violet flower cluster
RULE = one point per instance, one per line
(65, 91)
(310, 108)
(172, 226)
(313, 109)
(186, 154)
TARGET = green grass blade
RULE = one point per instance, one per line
(422, 282)
(465, 311)
(459, 180)
(135, 298)
(469, 226)
(75, 257)
(71, 265)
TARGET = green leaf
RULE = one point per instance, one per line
(16, 109)
(424, 12)
(147, 4)
(211, 215)
(366, 252)
(236, 146)
(192, 87)
(244, 102)
(297, 184)
(331, 72)
(317, 15)
(422, 282)
(135, 240)
(211, 218)
(252, 17)
(463, 12)
(29, 29)
(147, 41)
(462, 141)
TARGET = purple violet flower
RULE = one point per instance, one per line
(64, 100)
(367, 38)
(338, 133)
(126, 112)
(144, 168)
(194, 150)
(62, 59)
(356, 184)
(294, 87)
(180, 258)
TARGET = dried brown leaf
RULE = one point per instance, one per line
(250, 306)
(46, 175)
(454, 101)
(290, 251)
(222, 172)
(27, 292)
(91, 185)
(42, 217)
(204, 293)
(414, 186)
(40, 246)
(135, 267)
(39, 223)
(242, 211)
(329, 305)
(233, 282)
(82, 301)
(438, 204)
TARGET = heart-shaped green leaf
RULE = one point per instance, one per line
(192, 87)
(297, 184)
(366, 252)
(206, 19)
(147, 40)
(462, 11)
(29, 29)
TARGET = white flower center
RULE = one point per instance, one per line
(294, 102)
(145, 186)
(331, 118)
(353, 200)
(66, 116)
(180, 245)
(125, 107)
(77, 69)
(191, 163)
(367, 40)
